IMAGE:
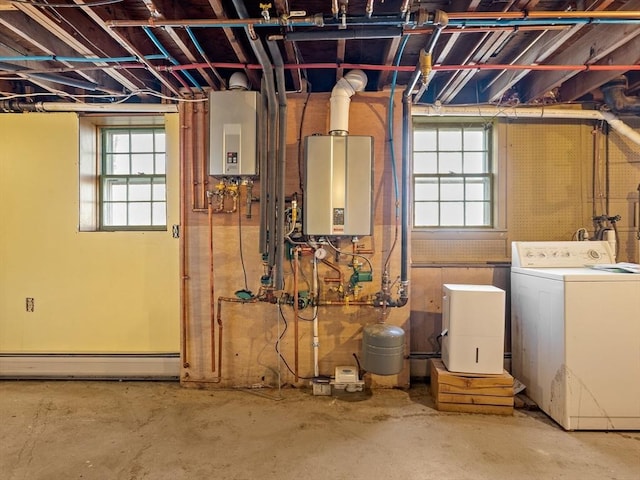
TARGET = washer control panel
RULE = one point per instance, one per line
(560, 254)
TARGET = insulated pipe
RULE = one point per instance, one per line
(348, 34)
(272, 213)
(262, 157)
(354, 81)
(282, 160)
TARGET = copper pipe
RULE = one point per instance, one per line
(295, 312)
(184, 297)
(333, 279)
(542, 14)
(189, 151)
(211, 287)
(201, 194)
(202, 142)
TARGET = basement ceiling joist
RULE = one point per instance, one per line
(159, 50)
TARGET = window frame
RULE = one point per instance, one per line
(103, 177)
(497, 212)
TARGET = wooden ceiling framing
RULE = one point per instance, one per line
(120, 50)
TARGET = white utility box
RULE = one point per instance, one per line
(473, 328)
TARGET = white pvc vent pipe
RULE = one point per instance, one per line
(354, 81)
(528, 112)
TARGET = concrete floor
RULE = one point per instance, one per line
(135, 430)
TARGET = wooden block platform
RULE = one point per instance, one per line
(471, 392)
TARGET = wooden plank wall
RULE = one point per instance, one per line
(250, 331)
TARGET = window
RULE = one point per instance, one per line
(452, 176)
(133, 192)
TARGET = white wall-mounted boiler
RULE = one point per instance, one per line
(233, 129)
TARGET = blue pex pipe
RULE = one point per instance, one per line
(168, 56)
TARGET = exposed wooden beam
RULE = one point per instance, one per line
(576, 87)
(127, 46)
(219, 12)
(594, 45)
(388, 57)
(340, 51)
(539, 49)
(48, 36)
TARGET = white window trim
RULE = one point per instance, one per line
(499, 168)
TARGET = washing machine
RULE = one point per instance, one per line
(575, 330)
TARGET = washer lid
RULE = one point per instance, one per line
(584, 274)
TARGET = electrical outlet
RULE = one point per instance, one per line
(30, 304)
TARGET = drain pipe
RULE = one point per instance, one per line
(616, 99)
(279, 239)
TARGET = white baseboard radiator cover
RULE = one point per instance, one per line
(90, 366)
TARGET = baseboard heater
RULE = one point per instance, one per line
(88, 366)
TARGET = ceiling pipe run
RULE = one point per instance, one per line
(459, 19)
(528, 112)
(13, 106)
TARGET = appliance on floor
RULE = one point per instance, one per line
(576, 334)
(473, 328)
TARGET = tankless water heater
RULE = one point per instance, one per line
(233, 118)
(338, 195)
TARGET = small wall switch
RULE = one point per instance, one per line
(30, 304)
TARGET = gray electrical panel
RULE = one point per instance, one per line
(233, 116)
(338, 194)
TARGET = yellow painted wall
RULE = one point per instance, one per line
(93, 291)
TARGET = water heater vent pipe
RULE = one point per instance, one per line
(354, 81)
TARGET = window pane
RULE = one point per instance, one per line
(117, 142)
(139, 190)
(450, 163)
(425, 214)
(117, 164)
(159, 190)
(425, 140)
(477, 189)
(160, 141)
(474, 139)
(160, 163)
(115, 214)
(142, 142)
(477, 214)
(142, 163)
(425, 162)
(115, 190)
(452, 214)
(159, 213)
(135, 162)
(452, 189)
(140, 213)
(450, 139)
(426, 189)
(475, 162)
